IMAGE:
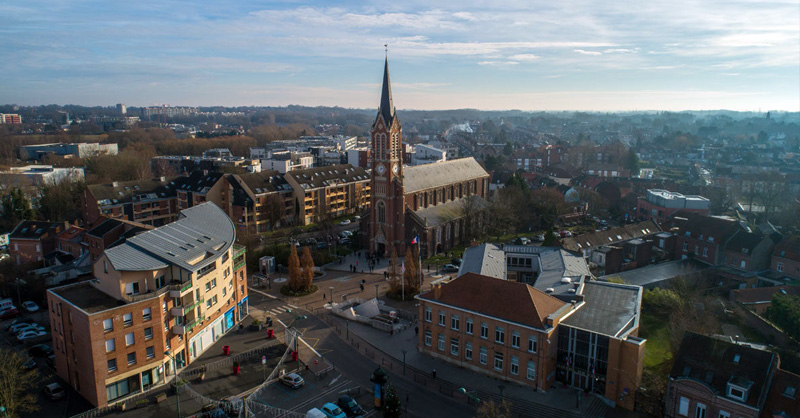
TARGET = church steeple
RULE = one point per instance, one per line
(387, 105)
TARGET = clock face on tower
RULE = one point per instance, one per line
(395, 168)
(381, 169)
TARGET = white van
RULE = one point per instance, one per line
(6, 303)
(315, 413)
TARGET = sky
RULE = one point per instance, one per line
(516, 54)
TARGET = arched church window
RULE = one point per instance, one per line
(381, 212)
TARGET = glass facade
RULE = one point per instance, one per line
(582, 359)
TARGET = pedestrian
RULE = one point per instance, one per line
(416, 329)
(362, 287)
(323, 296)
(433, 374)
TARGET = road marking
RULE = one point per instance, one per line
(262, 293)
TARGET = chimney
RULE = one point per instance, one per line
(437, 291)
(501, 246)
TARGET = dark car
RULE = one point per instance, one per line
(17, 321)
(40, 350)
(8, 313)
(456, 262)
(29, 364)
(449, 268)
(349, 406)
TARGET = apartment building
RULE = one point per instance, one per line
(75, 150)
(328, 192)
(151, 202)
(176, 288)
(30, 241)
(662, 204)
(536, 339)
(261, 201)
(786, 258)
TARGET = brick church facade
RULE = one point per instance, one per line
(428, 201)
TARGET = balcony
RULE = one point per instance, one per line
(172, 288)
(179, 329)
(193, 323)
(177, 290)
(239, 259)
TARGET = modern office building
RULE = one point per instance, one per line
(662, 204)
(75, 150)
(176, 288)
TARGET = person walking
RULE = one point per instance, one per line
(416, 329)
(433, 374)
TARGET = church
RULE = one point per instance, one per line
(427, 201)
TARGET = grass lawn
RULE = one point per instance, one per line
(657, 354)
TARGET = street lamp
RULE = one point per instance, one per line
(177, 391)
(470, 396)
(404, 360)
(296, 318)
(376, 291)
(331, 289)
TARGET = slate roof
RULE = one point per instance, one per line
(611, 236)
(427, 176)
(125, 191)
(743, 240)
(105, 227)
(720, 229)
(386, 108)
(443, 213)
(521, 303)
(198, 182)
(711, 361)
(656, 273)
(32, 229)
(783, 399)
(609, 309)
(200, 231)
(554, 264)
(318, 177)
(267, 181)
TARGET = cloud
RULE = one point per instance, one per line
(524, 57)
(498, 63)
(584, 52)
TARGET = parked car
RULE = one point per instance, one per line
(29, 364)
(27, 335)
(30, 306)
(54, 391)
(345, 222)
(315, 413)
(344, 241)
(349, 406)
(40, 350)
(346, 233)
(4, 256)
(18, 320)
(356, 218)
(26, 327)
(539, 238)
(51, 361)
(603, 222)
(293, 380)
(321, 245)
(332, 411)
(449, 268)
(456, 262)
(9, 312)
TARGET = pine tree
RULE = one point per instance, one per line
(307, 263)
(392, 406)
(295, 273)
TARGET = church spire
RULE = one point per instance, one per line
(387, 105)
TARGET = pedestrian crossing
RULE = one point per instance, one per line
(279, 310)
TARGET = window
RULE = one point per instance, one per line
(132, 288)
(112, 365)
(515, 339)
(790, 391)
(483, 355)
(108, 325)
(441, 318)
(164, 306)
(161, 281)
(514, 365)
(468, 351)
(208, 304)
(531, 375)
(454, 322)
(469, 326)
(454, 346)
(131, 358)
(499, 335)
(723, 414)
(127, 319)
(779, 267)
(498, 361)
(148, 333)
(213, 283)
(146, 314)
(532, 344)
(705, 252)
(484, 330)
(105, 264)
(381, 213)
(208, 287)
(428, 314)
(683, 407)
(129, 340)
(224, 291)
(743, 264)
(441, 342)
(428, 338)
(737, 393)
(166, 325)
(110, 346)
(685, 246)
(150, 352)
(700, 412)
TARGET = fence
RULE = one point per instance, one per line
(520, 408)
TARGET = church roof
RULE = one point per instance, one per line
(428, 176)
(387, 105)
(446, 212)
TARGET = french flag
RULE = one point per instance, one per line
(414, 241)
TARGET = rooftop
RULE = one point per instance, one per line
(33, 229)
(86, 297)
(609, 309)
(655, 273)
(123, 192)
(523, 304)
(611, 236)
(200, 234)
(762, 294)
(318, 177)
(427, 176)
(439, 214)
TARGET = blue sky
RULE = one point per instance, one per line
(529, 54)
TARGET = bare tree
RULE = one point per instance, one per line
(491, 409)
(470, 213)
(17, 385)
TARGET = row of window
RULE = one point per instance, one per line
(483, 355)
(130, 339)
(127, 319)
(499, 332)
(699, 411)
(150, 353)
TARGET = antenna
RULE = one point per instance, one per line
(386, 49)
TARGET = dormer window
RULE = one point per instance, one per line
(738, 388)
(790, 391)
(688, 233)
(736, 358)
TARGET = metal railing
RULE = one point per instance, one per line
(151, 294)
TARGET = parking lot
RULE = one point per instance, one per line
(313, 394)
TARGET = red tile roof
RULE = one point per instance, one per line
(504, 299)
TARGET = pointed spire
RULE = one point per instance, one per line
(387, 105)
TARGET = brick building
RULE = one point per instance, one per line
(786, 258)
(662, 204)
(176, 288)
(535, 339)
(329, 192)
(31, 241)
(150, 202)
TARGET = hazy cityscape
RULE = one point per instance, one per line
(286, 209)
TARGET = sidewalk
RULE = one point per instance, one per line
(556, 397)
